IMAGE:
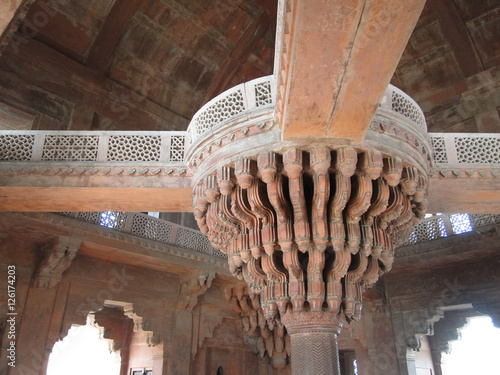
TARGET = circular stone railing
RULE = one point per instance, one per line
(242, 99)
(398, 102)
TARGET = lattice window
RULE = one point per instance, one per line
(91, 217)
(70, 148)
(460, 223)
(428, 230)
(263, 94)
(481, 220)
(16, 147)
(478, 150)
(150, 228)
(134, 148)
(405, 107)
(113, 220)
(177, 143)
(220, 111)
(193, 240)
(218, 253)
(439, 149)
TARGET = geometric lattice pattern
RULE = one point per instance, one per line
(404, 107)
(16, 147)
(439, 150)
(113, 220)
(177, 147)
(224, 108)
(70, 148)
(482, 220)
(263, 94)
(151, 228)
(428, 230)
(460, 223)
(134, 148)
(478, 149)
(193, 240)
(90, 217)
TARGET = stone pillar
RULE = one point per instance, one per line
(313, 337)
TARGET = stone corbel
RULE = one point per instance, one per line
(58, 255)
(192, 287)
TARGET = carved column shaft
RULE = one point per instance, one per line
(315, 353)
(313, 339)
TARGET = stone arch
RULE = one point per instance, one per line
(108, 332)
(141, 324)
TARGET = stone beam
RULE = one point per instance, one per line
(111, 32)
(469, 192)
(455, 30)
(337, 59)
(83, 199)
(12, 13)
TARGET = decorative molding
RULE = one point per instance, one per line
(131, 239)
(58, 255)
(14, 169)
(193, 287)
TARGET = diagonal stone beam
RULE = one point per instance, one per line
(334, 61)
(12, 12)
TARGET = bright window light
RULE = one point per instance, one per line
(476, 352)
(82, 352)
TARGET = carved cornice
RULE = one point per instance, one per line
(434, 247)
(64, 169)
(130, 239)
(460, 172)
(227, 136)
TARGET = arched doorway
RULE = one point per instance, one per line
(84, 351)
(477, 350)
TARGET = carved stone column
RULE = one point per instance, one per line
(313, 338)
(309, 223)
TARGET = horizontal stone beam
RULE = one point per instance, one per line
(336, 62)
(78, 199)
(465, 191)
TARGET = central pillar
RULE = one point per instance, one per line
(308, 224)
(313, 339)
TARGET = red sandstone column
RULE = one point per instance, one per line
(313, 338)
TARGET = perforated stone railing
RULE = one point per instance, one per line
(240, 101)
(77, 146)
(244, 98)
(466, 149)
(149, 227)
(440, 226)
(399, 103)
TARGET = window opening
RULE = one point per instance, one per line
(83, 352)
(477, 350)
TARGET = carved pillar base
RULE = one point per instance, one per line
(313, 338)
